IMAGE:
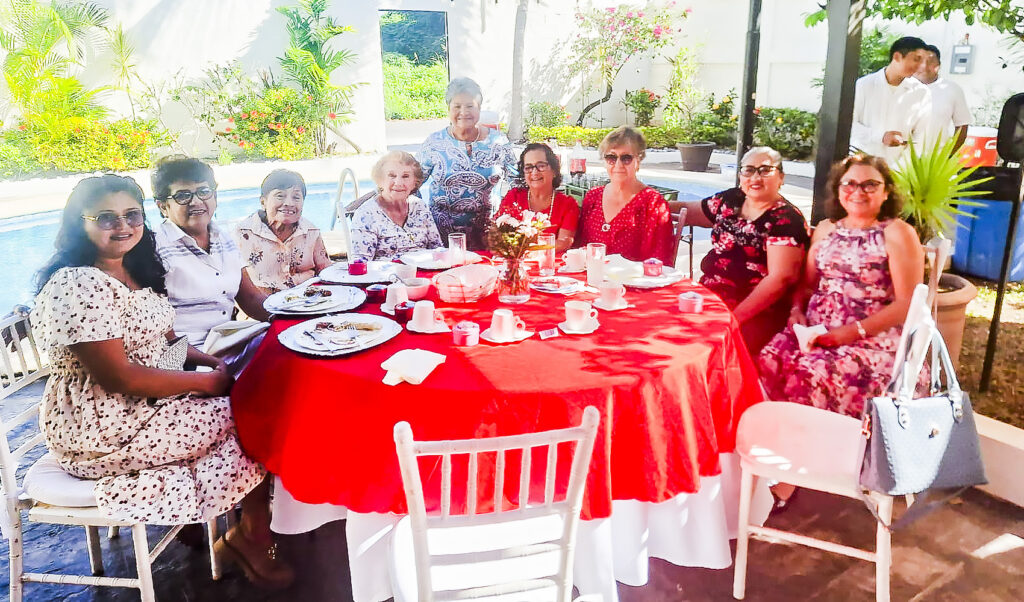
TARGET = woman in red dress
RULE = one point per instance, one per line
(542, 172)
(629, 217)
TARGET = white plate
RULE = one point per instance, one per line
(424, 260)
(669, 276)
(565, 270)
(376, 271)
(598, 303)
(562, 285)
(343, 298)
(294, 339)
(521, 335)
(435, 330)
(590, 326)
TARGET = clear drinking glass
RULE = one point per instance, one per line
(595, 263)
(457, 248)
(546, 253)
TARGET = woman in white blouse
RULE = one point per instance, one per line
(393, 222)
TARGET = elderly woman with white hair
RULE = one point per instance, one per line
(758, 244)
(393, 222)
(463, 163)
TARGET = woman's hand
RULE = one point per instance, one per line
(216, 382)
(837, 337)
(797, 316)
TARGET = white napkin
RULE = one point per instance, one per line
(806, 334)
(618, 267)
(411, 366)
(230, 334)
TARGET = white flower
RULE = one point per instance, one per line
(528, 216)
(529, 231)
(507, 220)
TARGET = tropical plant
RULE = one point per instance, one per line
(643, 103)
(420, 35)
(792, 132)
(413, 91)
(934, 184)
(608, 38)
(683, 97)
(276, 124)
(1002, 15)
(546, 114)
(309, 63)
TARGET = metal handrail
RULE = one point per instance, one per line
(339, 208)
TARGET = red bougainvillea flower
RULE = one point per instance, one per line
(242, 144)
(757, 111)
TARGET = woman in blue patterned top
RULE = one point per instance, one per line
(463, 163)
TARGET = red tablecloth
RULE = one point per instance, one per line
(670, 388)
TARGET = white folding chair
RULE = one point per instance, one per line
(681, 233)
(517, 554)
(51, 495)
(821, 450)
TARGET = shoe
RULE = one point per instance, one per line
(781, 505)
(262, 566)
(192, 536)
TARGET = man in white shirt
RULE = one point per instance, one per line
(950, 115)
(890, 107)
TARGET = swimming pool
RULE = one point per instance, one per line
(26, 242)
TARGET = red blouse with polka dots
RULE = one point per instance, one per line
(641, 230)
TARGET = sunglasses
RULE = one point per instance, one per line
(868, 186)
(539, 167)
(611, 158)
(748, 171)
(184, 197)
(108, 220)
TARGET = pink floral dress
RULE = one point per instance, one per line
(854, 282)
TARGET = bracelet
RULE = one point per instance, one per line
(860, 330)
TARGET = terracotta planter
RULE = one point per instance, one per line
(695, 156)
(952, 312)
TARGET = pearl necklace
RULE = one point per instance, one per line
(551, 202)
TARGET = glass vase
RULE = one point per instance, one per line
(513, 282)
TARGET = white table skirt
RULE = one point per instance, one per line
(687, 530)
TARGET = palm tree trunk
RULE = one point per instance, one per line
(515, 120)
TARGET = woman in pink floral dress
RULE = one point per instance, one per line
(861, 271)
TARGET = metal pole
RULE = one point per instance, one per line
(845, 18)
(745, 131)
(1004, 274)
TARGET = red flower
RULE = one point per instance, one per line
(757, 111)
(242, 144)
(23, 127)
(228, 129)
(231, 119)
(331, 115)
(243, 116)
(300, 129)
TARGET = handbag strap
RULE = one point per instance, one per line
(925, 503)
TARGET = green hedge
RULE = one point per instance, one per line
(414, 91)
(792, 132)
(657, 136)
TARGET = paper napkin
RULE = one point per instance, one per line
(806, 334)
(411, 366)
(230, 334)
(618, 267)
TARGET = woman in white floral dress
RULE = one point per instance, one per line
(160, 442)
(393, 222)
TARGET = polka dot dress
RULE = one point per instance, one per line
(160, 461)
(642, 229)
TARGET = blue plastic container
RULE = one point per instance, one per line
(980, 240)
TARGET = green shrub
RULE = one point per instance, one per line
(792, 132)
(16, 158)
(278, 124)
(78, 144)
(546, 114)
(414, 91)
(643, 103)
(712, 130)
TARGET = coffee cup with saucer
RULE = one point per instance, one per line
(396, 293)
(580, 318)
(426, 319)
(613, 296)
(575, 261)
(506, 327)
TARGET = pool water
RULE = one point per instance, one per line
(26, 242)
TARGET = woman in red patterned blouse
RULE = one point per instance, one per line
(542, 172)
(629, 217)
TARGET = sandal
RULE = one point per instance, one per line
(261, 565)
(783, 504)
(192, 536)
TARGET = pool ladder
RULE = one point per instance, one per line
(339, 205)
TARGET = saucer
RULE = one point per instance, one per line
(590, 326)
(622, 304)
(433, 330)
(521, 335)
(565, 270)
(388, 309)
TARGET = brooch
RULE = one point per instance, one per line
(606, 227)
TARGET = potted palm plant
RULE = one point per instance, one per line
(934, 185)
(683, 114)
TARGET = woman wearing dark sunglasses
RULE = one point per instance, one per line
(629, 217)
(118, 407)
(758, 244)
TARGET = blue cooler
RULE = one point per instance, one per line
(981, 240)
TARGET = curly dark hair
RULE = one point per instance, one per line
(550, 156)
(179, 168)
(74, 249)
(834, 209)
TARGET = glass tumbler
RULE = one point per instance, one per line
(457, 248)
(546, 254)
(595, 263)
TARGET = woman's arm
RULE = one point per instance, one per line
(320, 258)
(809, 279)
(695, 215)
(110, 367)
(251, 299)
(906, 266)
(784, 265)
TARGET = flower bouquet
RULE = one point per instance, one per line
(510, 239)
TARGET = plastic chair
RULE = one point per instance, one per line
(521, 553)
(51, 495)
(821, 450)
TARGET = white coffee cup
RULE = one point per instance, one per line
(612, 293)
(405, 271)
(425, 317)
(505, 324)
(578, 313)
(575, 259)
(397, 293)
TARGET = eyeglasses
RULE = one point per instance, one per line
(108, 220)
(611, 158)
(748, 171)
(539, 167)
(868, 186)
(184, 197)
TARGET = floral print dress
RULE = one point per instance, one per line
(376, 236)
(276, 264)
(854, 282)
(161, 461)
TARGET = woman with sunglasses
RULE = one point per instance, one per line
(205, 272)
(160, 441)
(629, 217)
(542, 173)
(758, 242)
